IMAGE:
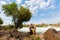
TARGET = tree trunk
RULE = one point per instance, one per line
(19, 24)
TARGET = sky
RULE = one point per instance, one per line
(43, 11)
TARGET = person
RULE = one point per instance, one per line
(32, 29)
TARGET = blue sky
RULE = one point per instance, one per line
(43, 11)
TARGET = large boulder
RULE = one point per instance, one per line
(51, 34)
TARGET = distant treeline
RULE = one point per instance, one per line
(55, 25)
(7, 27)
(27, 25)
(37, 25)
(43, 25)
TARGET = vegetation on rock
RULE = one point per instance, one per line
(1, 21)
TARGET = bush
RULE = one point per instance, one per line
(8, 27)
(38, 38)
(35, 38)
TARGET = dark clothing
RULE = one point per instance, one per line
(32, 27)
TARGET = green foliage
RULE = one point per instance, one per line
(1, 21)
(38, 38)
(8, 27)
(41, 25)
(37, 25)
(51, 24)
(33, 37)
(19, 15)
(25, 14)
(25, 25)
(9, 9)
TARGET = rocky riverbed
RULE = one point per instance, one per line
(15, 35)
(50, 34)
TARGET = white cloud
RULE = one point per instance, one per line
(7, 20)
(2, 2)
(23, 5)
(40, 4)
(52, 20)
(47, 21)
(18, 1)
(42, 14)
(43, 5)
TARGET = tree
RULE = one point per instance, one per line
(1, 22)
(19, 15)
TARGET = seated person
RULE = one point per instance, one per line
(32, 29)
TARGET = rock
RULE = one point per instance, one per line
(12, 39)
(51, 34)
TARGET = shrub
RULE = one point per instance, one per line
(38, 38)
